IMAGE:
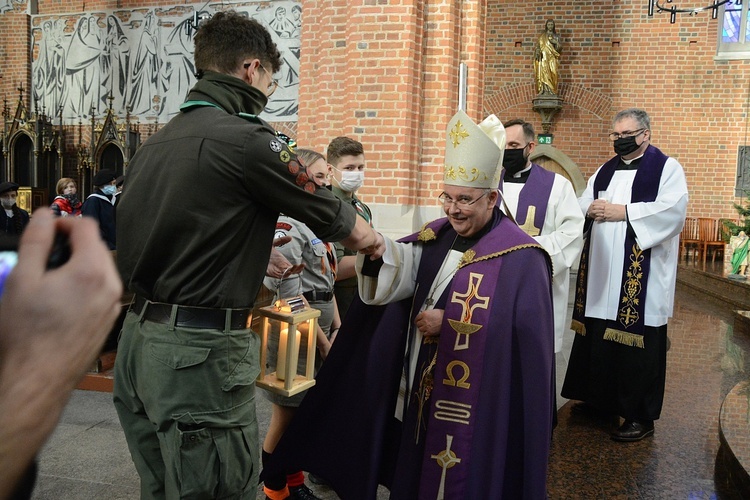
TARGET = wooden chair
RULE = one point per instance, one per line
(690, 239)
(709, 231)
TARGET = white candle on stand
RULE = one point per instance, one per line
(281, 355)
(283, 347)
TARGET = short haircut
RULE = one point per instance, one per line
(307, 156)
(528, 128)
(343, 146)
(63, 183)
(223, 42)
(639, 115)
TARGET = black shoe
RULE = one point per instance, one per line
(632, 430)
(302, 492)
(315, 479)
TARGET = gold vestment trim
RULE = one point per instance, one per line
(624, 338)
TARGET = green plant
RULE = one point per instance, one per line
(733, 228)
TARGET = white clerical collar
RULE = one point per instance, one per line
(521, 172)
(628, 162)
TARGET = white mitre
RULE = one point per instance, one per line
(474, 153)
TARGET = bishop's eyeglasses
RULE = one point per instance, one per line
(461, 201)
(614, 135)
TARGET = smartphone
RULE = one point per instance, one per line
(9, 255)
(8, 258)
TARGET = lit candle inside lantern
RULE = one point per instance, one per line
(283, 347)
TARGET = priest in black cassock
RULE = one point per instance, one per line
(443, 387)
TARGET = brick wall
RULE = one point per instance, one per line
(386, 73)
(615, 56)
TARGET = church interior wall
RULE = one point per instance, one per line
(387, 75)
(615, 56)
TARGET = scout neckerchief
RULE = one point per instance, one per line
(629, 325)
(535, 193)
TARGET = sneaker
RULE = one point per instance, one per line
(315, 479)
(302, 492)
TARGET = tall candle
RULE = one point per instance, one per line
(283, 347)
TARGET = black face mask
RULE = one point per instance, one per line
(72, 199)
(626, 145)
(514, 160)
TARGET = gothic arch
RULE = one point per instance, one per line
(569, 167)
(21, 158)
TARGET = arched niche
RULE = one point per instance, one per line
(22, 159)
(111, 157)
(556, 161)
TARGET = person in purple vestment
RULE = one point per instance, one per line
(635, 208)
(444, 388)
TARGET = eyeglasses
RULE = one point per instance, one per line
(461, 201)
(271, 86)
(614, 135)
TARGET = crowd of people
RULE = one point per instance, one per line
(439, 347)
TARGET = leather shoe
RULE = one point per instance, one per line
(633, 430)
(301, 492)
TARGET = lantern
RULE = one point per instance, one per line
(288, 319)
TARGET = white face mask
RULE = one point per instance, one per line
(351, 180)
(8, 202)
(109, 189)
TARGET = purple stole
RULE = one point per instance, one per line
(629, 327)
(536, 192)
(458, 370)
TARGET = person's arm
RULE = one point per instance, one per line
(661, 220)
(278, 265)
(563, 243)
(47, 341)
(324, 345)
(336, 324)
(346, 267)
(393, 279)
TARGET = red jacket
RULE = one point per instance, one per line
(62, 204)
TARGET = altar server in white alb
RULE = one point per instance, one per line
(635, 208)
(545, 206)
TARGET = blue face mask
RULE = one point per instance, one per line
(109, 189)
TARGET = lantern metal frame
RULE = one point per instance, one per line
(291, 313)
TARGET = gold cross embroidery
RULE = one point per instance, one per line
(458, 133)
(465, 327)
(528, 226)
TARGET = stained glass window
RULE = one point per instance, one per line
(731, 26)
(734, 32)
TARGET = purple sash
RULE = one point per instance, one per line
(535, 192)
(460, 361)
(629, 326)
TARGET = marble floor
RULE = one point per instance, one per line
(87, 456)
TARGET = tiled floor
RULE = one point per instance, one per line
(87, 456)
(704, 363)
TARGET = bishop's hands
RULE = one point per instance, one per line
(602, 211)
(377, 249)
(429, 322)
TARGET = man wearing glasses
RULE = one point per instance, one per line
(444, 387)
(195, 226)
(635, 208)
